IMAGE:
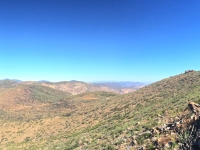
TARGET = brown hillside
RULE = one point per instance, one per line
(97, 120)
(76, 87)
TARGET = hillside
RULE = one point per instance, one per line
(29, 111)
(96, 120)
(127, 115)
(77, 87)
(30, 101)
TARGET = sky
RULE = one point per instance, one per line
(98, 40)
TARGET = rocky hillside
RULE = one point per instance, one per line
(153, 117)
(130, 115)
(181, 132)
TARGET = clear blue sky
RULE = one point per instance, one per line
(92, 40)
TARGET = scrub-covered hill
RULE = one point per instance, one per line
(97, 120)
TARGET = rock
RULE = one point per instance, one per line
(177, 123)
(140, 148)
(188, 71)
(155, 131)
(172, 133)
(85, 144)
(194, 107)
(168, 145)
(134, 142)
(154, 139)
(171, 126)
(164, 126)
(137, 123)
(177, 118)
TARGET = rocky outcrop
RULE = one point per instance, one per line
(181, 133)
(193, 139)
(194, 107)
(188, 71)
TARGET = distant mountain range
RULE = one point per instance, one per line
(77, 87)
(122, 87)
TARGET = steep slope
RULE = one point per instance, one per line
(130, 114)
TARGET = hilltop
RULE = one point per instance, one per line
(94, 120)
